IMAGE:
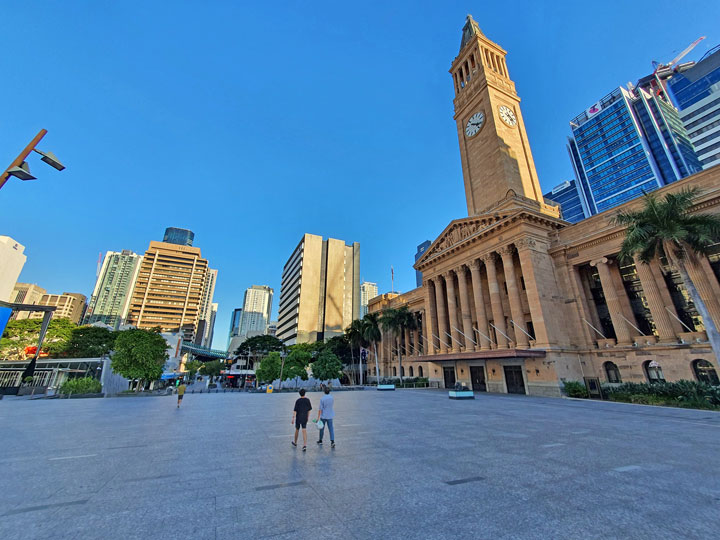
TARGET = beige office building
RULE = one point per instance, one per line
(12, 260)
(69, 306)
(169, 289)
(25, 293)
(319, 290)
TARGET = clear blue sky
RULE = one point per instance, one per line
(251, 123)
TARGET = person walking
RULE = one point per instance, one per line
(301, 413)
(326, 414)
(181, 393)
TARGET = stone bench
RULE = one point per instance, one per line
(461, 394)
(386, 387)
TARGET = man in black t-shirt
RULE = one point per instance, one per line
(301, 412)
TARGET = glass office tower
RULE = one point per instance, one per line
(628, 143)
(181, 237)
(572, 202)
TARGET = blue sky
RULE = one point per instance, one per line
(251, 123)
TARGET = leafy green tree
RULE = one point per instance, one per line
(139, 354)
(260, 346)
(192, 367)
(396, 321)
(371, 334)
(667, 227)
(25, 333)
(89, 342)
(213, 369)
(339, 346)
(356, 339)
(269, 369)
(327, 366)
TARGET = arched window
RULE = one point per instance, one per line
(402, 371)
(394, 372)
(411, 371)
(653, 372)
(705, 372)
(612, 372)
(420, 373)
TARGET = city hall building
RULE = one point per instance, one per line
(515, 299)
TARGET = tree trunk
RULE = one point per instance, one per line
(710, 327)
(377, 369)
(400, 360)
(352, 366)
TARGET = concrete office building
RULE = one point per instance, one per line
(319, 291)
(25, 293)
(169, 289)
(256, 310)
(181, 237)
(110, 299)
(210, 333)
(368, 291)
(696, 93)
(69, 306)
(206, 317)
(573, 205)
(12, 260)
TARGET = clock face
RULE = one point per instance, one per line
(475, 124)
(507, 116)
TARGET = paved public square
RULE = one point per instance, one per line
(408, 464)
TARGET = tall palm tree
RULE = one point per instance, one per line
(371, 333)
(354, 333)
(666, 227)
(396, 321)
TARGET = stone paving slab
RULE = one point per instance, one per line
(408, 464)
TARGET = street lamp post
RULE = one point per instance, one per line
(19, 167)
(283, 354)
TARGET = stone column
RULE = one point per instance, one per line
(407, 350)
(452, 310)
(660, 316)
(465, 309)
(659, 276)
(613, 302)
(441, 315)
(704, 289)
(430, 318)
(416, 343)
(518, 317)
(479, 305)
(495, 301)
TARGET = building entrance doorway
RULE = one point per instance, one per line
(514, 379)
(449, 376)
(477, 377)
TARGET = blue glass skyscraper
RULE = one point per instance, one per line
(182, 237)
(420, 250)
(572, 202)
(628, 143)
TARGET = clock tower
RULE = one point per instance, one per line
(496, 159)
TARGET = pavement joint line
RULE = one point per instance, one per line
(284, 484)
(553, 445)
(43, 507)
(71, 457)
(627, 468)
(464, 480)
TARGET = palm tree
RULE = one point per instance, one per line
(354, 333)
(666, 227)
(371, 334)
(396, 321)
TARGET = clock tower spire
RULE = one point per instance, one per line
(498, 167)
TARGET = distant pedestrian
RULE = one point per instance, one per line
(301, 413)
(181, 393)
(326, 414)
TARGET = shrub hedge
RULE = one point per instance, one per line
(84, 385)
(683, 393)
(575, 389)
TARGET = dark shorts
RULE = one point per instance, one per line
(180, 396)
(301, 424)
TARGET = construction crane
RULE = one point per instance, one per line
(657, 82)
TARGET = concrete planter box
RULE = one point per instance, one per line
(461, 394)
(386, 387)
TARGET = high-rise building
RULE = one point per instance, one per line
(26, 293)
(12, 261)
(368, 291)
(206, 306)
(110, 299)
(181, 237)
(272, 328)
(235, 319)
(628, 143)
(319, 291)
(420, 251)
(69, 306)
(696, 92)
(209, 334)
(256, 310)
(169, 289)
(573, 205)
